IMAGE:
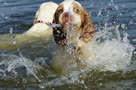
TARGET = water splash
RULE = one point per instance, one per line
(108, 52)
(12, 37)
(60, 81)
(113, 55)
(55, 25)
(15, 66)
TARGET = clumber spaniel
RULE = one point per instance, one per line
(74, 33)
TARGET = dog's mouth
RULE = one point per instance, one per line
(67, 23)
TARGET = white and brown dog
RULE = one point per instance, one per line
(76, 31)
(43, 17)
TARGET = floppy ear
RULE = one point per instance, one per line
(59, 36)
(88, 29)
(36, 15)
(54, 19)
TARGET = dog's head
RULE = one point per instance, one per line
(74, 19)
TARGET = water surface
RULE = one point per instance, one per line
(25, 65)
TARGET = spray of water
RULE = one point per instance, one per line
(107, 52)
(15, 66)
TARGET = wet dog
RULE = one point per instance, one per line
(43, 19)
(39, 30)
(75, 31)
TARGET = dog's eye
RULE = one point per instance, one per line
(60, 11)
(76, 10)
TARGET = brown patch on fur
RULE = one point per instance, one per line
(87, 27)
(76, 8)
(57, 14)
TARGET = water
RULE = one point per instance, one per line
(24, 63)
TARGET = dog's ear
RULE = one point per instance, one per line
(59, 36)
(55, 18)
(88, 29)
(36, 16)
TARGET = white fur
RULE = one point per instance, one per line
(74, 32)
(45, 13)
(68, 7)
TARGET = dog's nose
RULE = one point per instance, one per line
(66, 17)
(66, 14)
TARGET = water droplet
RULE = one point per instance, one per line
(55, 25)
(14, 42)
(116, 7)
(100, 84)
(42, 87)
(109, 4)
(123, 5)
(131, 22)
(99, 13)
(134, 52)
(134, 40)
(123, 26)
(11, 30)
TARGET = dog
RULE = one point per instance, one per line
(40, 30)
(76, 30)
(42, 20)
